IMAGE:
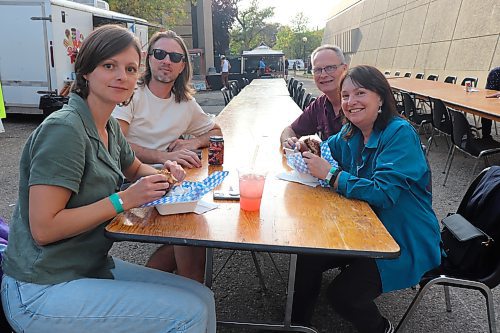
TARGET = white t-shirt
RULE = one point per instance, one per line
(225, 66)
(156, 122)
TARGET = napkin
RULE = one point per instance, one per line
(204, 206)
(301, 178)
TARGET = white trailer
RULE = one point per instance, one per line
(39, 40)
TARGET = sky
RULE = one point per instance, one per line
(285, 10)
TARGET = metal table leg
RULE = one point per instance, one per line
(286, 326)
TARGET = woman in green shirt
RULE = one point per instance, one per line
(58, 274)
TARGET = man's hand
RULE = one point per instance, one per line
(186, 158)
(290, 142)
(497, 94)
(175, 169)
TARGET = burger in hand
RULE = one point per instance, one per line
(310, 145)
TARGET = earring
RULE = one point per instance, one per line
(86, 83)
(379, 109)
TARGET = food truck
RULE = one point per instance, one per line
(39, 43)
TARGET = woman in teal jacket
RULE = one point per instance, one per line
(381, 162)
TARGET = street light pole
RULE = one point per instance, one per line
(304, 40)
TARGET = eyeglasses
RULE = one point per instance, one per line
(160, 54)
(328, 69)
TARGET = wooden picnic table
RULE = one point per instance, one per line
(293, 218)
(454, 96)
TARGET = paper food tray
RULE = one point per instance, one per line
(177, 208)
(191, 193)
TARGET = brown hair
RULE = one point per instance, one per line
(182, 89)
(371, 78)
(102, 43)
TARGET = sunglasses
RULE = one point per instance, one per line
(160, 54)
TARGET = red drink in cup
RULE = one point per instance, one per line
(251, 188)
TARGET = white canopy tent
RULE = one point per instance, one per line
(275, 58)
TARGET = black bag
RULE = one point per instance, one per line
(464, 243)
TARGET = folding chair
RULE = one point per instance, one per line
(441, 123)
(226, 95)
(433, 77)
(466, 142)
(307, 101)
(419, 76)
(450, 276)
(472, 80)
(299, 99)
(397, 73)
(407, 74)
(290, 86)
(451, 79)
(414, 114)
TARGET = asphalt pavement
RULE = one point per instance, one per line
(237, 290)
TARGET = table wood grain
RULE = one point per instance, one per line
(452, 95)
(293, 218)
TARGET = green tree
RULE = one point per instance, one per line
(300, 22)
(285, 39)
(250, 24)
(164, 13)
(223, 16)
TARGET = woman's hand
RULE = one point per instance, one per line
(318, 166)
(176, 170)
(144, 190)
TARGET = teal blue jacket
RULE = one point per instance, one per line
(391, 174)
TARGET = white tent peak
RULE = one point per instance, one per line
(263, 50)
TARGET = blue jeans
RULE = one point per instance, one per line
(139, 299)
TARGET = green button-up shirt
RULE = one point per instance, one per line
(65, 150)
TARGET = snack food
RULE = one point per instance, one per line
(311, 146)
(170, 178)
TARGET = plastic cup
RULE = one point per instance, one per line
(251, 188)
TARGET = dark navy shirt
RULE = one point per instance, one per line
(493, 81)
(318, 118)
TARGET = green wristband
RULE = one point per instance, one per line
(117, 202)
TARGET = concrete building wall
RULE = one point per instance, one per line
(444, 37)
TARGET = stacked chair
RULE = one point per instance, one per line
(233, 90)
(298, 93)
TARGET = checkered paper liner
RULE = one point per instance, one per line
(193, 191)
(296, 162)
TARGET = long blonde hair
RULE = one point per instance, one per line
(182, 89)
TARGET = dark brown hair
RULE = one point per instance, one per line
(102, 43)
(371, 78)
(182, 89)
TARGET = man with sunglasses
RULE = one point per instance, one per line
(163, 107)
(161, 111)
(323, 116)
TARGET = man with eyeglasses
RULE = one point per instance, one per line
(161, 111)
(323, 116)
